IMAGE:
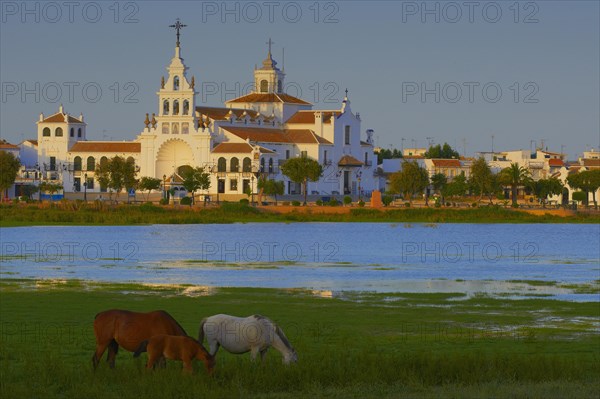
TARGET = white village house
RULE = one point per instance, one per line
(250, 136)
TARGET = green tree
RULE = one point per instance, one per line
(102, 174)
(117, 174)
(301, 170)
(196, 179)
(148, 184)
(9, 167)
(514, 176)
(388, 154)
(271, 187)
(441, 151)
(48, 187)
(411, 179)
(29, 189)
(586, 181)
(439, 181)
(457, 187)
(546, 187)
(482, 178)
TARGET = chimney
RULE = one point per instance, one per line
(81, 116)
(41, 116)
(60, 108)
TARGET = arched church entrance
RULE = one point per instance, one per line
(173, 156)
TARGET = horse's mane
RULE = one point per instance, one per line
(283, 338)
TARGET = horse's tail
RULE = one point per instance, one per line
(142, 348)
(201, 332)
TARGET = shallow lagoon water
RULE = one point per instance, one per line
(519, 260)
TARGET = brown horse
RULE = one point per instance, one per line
(129, 330)
(174, 347)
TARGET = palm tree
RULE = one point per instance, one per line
(514, 176)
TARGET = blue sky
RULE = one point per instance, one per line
(531, 69)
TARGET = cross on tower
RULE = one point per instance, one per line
(270, 42)
(178, 26)
(346, 93)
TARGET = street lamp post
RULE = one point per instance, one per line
(85, 187)
(164, 186)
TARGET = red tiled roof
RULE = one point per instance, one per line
(591, 162)
(349, 160)
(8, 146)
(106, 146)
(446, 163)
(298, 136)
(309, 116)
(59, 117)
(268, 98)
(555, 162)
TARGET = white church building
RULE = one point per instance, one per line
(249, 137)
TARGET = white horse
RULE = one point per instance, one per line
(254, 334)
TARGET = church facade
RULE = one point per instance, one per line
(249, 137)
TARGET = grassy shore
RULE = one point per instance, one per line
(359, 345)
(73, 213)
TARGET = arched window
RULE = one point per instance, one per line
(103, 160)
(77, 163)
(176, 107)
(176, 83)
(185, 128)
(264, 86)
(222, 165)
(58, 132)
(175, 129)
(165, 128)
(166, 107)
(247, 165)
(270, 165)
(186, 107)
(79, 132)
(234, 165)
(130, 159)
(72, 132)
(262, 164)
(91, 163)
(46, 132)
(279, 86)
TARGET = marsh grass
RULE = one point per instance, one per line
(362, 345)
(93, 214)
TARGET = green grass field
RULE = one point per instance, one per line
(359, 345)
(78, 213)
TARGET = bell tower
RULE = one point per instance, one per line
(269, 78)
(177, 95)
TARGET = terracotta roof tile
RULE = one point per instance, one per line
(349, 160)
(106, 146)
(60, 118)
(309, 116)
(237, 148)
(8, 146)
(298, 136)
(446, 163)
(591, 162)
(268, 98)
(555, 162)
